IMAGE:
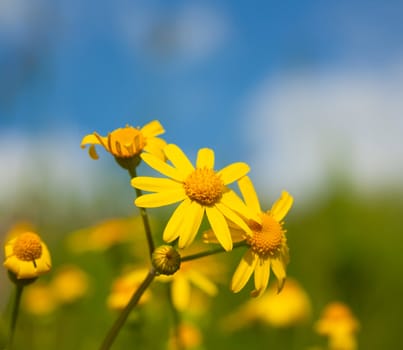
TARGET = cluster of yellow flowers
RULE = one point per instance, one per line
(235, 217)
(203, 191)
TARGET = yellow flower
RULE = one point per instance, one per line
(201, 274)
(27, 256)
(124, 287)
(105, 234)
(288, 308)
(128, 142)
(266, 240)
(38, 299)
(339, 324)
(185, 336)
(69, 284)
(201, 189)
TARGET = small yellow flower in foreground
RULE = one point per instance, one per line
(289, 308)
(339, 324)
(27, 256)
(201, 189)
(267, 242)
(124, 287)
(129, 141)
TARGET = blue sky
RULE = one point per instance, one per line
(197, 66)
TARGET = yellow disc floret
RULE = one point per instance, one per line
(126, 142)
(204, 186)
(28, 247)
(267, 238)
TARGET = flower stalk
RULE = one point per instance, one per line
(19, 287)
(120, 321)
(211, 252)
(144, 216)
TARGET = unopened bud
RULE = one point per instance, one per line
(166, 260)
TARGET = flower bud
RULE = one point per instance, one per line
(166, 260)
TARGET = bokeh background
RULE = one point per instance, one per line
(308, 93)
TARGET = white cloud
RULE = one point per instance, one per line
(305, 125)
(52, 168)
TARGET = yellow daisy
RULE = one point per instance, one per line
(201, 189)
(27, 256)
(266, 240)
(195, 275)
(128, 142)
(340, 326)
(124, 287)
(289, 308)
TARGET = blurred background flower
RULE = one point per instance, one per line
(307, 93)
(291, 307)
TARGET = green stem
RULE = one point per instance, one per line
(120, 321)
(211, 252)
(144, 216)
(14, 316)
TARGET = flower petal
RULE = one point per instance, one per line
(153, 128)
(9, 248)
(278, 267)
(261, 275)
(155, 184)
(191, 224)
(249, 194)
(281, 207)
(233, 172)
(205, 158)
(93, 152)
(162, 167)
(234, 217)
(220, 227)
(26, 269)
(232, 201)
(243, 271)
(178, 159)
(180, 292)
(160, 199)
(90, 139)
(155, 146)
(171, 231)
(202, 282)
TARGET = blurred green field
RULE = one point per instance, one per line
(344, 246)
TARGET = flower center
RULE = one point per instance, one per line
(267, 237)
(204, 186)
(126, 142)
(28, 247)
